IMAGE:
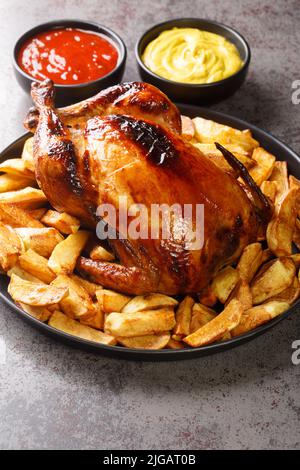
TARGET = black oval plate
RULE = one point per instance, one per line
(270, 143)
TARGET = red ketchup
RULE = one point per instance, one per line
(68, 56)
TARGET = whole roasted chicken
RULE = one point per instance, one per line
(126, 142)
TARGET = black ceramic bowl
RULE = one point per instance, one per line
(191, 93)
(67, 94)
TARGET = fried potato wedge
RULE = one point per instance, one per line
(269, 188)
(274, 277)
(111, 301)
(217, 327)
(143, 323)
(11, 246)
(158, 341)
(250, 261)
(94, 317)
(224, 283)
(296, 235)
(188, 128)
(149, 302)
(18, 271)
(289, 295)
(183, 317)
(62, 221)
(173, 344)
(210, 151)
(280, 177)
(27, 198)
(37, 213)
(78, 302)
(17, 166)
(40, 313)
(207, 131)
(15, 216)
(200, 316)
(89, 286)
(99, 253)
(265, 164)
(31, 293)
(27, 154)
(61, 322)
(259, 315)
(280, 230)
(36, 265)
(41, 240)
(13, 183)
(64, 256)
(242, 293)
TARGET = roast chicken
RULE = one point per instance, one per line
(126, 141)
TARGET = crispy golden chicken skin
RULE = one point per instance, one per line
(92, 153)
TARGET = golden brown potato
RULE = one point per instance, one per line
(31, 293)
(141, 323)
(36, 265)
(111, 301)
(13, 183)
(296, 235)
(183, 317)
(250, 261)
(64, 256)
(269, 188)
(11, 247)
(210, 151)
(243, 294)
(41, 240)
(27, 154)
(259, 315)
(37, 213)
(62, 221)
(15, 216)
(158, 341)
(140, 303)
(27, 198)
(281, 229)
(173, 344)
(18, 271)
(274, 277)
(265, 164)
(61, 322)
(78, 302)
(99, 253)
(17, 167)
(200, 316)
(94, 317)
(89, 286)
(280, 177)
(218, 326)
(289, 295)
(40, 313)
(224, 283)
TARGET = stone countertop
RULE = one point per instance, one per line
(54, 396)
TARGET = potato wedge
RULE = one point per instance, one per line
(64, 256)
(11, 247)
(273, 278)
(27, 198)
(280, 230)
(31, 293)
(27, 154)
(89, 286)
(94, 317)
(296, 234)
(36, 265)
(111, 301)
(269, 188)
(183, 317)
(15, 216)
(99, 253)
(188, 128)
(78, 302)
(218, 326)
(259, 315)
(61, 322)
(210, 131)
(158, 341)
(40, 313)
(62, 221)
(200, 316)
(143, 323)
(210, 151)
(243, 294)
(250, 261)
(173, 344)
(149, 302)
(265, 164)
(37, 213)
(280, 177)
(18, 271)
(224, 283)
(289, 295)
(13, 183)
(41, 240)
(17, 166)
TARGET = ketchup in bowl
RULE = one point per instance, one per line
(68, 56)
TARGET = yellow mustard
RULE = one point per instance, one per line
(188, 55)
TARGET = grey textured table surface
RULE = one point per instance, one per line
(53, 396)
